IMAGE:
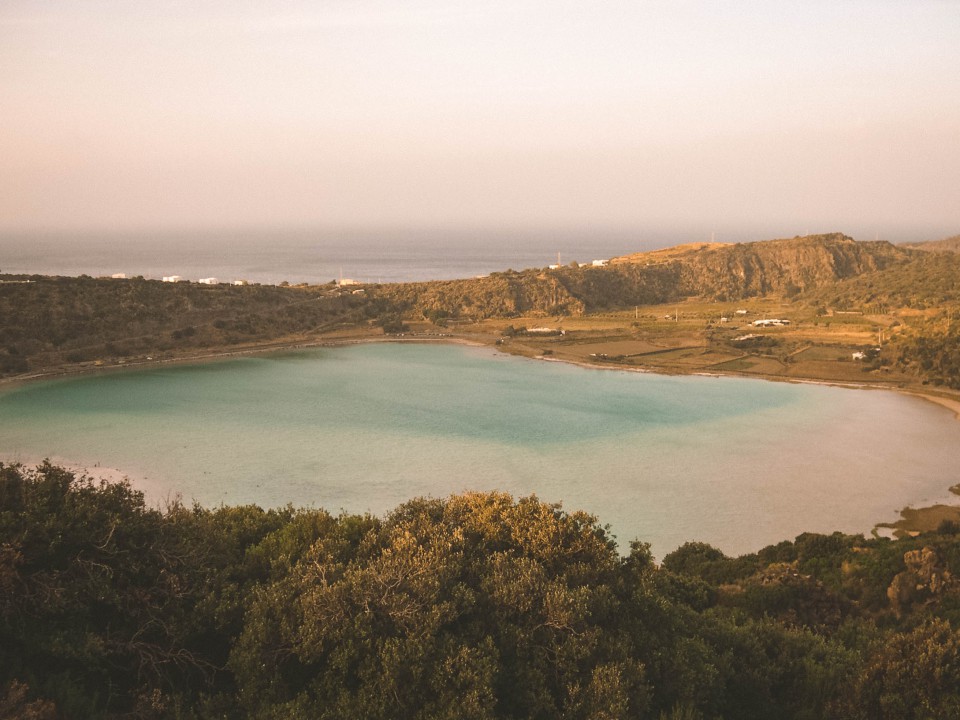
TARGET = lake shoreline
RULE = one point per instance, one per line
(951, 403)
(910, 518)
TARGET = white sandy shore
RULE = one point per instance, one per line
(949, 403)
(155, 494)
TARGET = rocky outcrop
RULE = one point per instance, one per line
(729, 272)
(712, 271)
(925, 576)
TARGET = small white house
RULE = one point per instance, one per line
(209, 281)
(348, 281)
(240, 282)
(859, 355)
(172, 278)
(741, 312)
(599, 263)
(119, 276)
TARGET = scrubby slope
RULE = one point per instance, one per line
(477, 606)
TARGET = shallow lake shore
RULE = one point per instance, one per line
(915, 518)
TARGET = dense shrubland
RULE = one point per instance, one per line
(49, 320)
(477, 606)
(932, 352)
(926, 280)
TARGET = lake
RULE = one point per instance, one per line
(738, 463)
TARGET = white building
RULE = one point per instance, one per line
(119, 276)
(240, 282)
(209, 281)
(172, 278)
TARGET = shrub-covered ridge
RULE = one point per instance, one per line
(476, 606)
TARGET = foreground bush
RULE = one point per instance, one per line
(477, 606)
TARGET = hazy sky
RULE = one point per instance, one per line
(732, 116)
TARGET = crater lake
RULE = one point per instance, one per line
(738, 463)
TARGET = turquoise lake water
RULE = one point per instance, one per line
(734, 462)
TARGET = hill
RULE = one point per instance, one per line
(47, 324)
(709, 271)
(922, 281)
(950, 244)
(924, 292)
(47, 321)
(787, 267)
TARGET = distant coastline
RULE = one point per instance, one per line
(317, 256)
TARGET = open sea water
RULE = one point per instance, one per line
(738, 463)
(315, 256)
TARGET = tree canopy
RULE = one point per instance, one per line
(479, 605)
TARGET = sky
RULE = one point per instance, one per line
(728, 117)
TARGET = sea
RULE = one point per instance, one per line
(738, 463)
(316, 256)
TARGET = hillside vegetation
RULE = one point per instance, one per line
(907, 295)
(479, 606)
(708, 271)
(926, 290)
(51, 320)
(787, 267)
(950, 244)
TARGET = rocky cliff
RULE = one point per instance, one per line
(790, 266)
(708, 270)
